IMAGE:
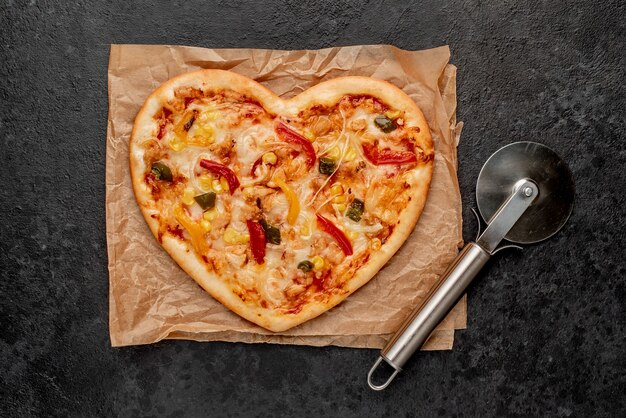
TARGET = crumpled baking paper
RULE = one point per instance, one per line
(151, 298)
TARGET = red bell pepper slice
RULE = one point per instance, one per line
(295, 138)
(330, 228)
(257, 241)
(222, 171)
(387, 156)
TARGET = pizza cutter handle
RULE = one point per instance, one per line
(420, 324)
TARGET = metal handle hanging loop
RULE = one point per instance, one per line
(371, 373)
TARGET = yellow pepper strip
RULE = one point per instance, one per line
(179, 128)
(194, 229)
(292, 199)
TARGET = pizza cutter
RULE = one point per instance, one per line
(526, 192)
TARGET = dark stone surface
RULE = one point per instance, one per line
(546, 327)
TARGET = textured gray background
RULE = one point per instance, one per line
(546, 327)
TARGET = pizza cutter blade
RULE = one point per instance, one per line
(525, 192)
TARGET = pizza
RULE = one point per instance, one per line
(280, 208)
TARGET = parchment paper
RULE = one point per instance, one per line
(151, 298)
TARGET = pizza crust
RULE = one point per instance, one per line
(327, 93)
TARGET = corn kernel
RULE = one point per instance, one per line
(208, 116)
(269, 158)
(205, 182)
(231, 236)
(392, 114)
(205, 128)
(336, 189)
(309, 135)
(350, 155)
(203, 135)
(352, 235)
(339, 199)
(176, 144)
(248, 192)
(334, 153)
(217, 186)
(224, 184)
(210, 215)
(305, 231)
(318, 262)
(340, 207)
(376, 244)
(178, 147)
(188, 195)
(206, 225)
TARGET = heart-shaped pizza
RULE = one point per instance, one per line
(280, 209)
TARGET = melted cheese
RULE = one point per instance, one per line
(249, 145)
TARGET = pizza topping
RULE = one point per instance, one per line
(220, 185)
(336, 189)
(188, 101)
(292, 199)
(320, 125)
(339, 202)
(195, 230)
(269, 158)
(355, 211)
(161, 171)
(387, 156)
(385, 124)
(305, 266)
(184, 124)
(232, 237)
(272, 234)
(187, 125)
(295, 138)
(330, 228)
(188, 196)
(206, 200)
(327, 166)
(318, 262)
(210, 214)
(394, 115)
(358, 124)
(257, 241)
(223, 171)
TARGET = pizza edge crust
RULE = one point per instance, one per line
(329, 92)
